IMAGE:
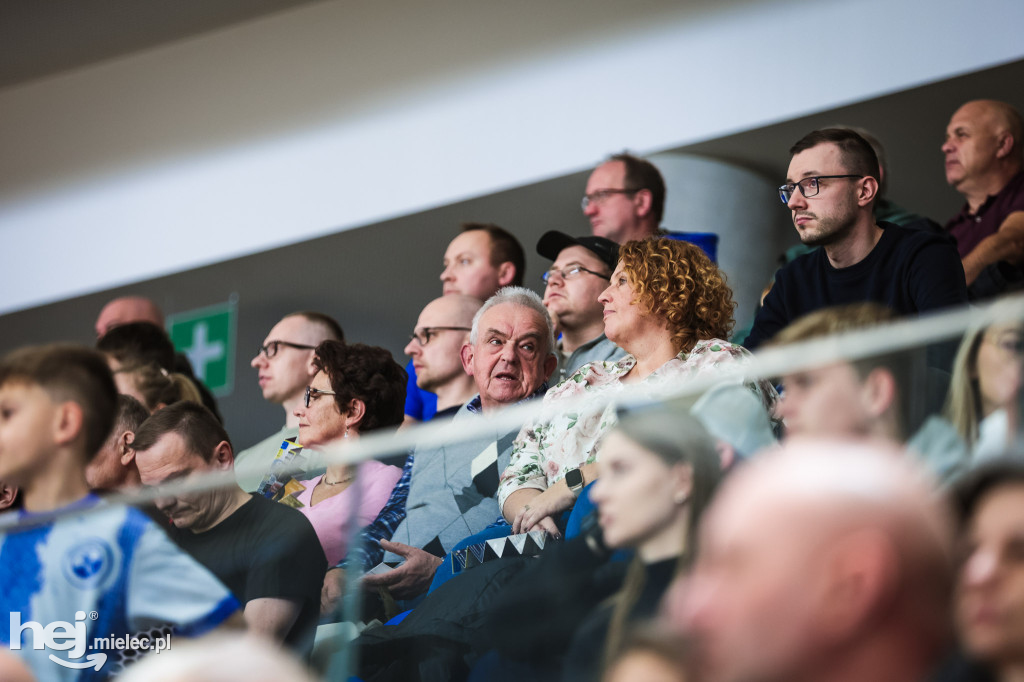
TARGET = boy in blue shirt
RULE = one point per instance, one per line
(77, 573)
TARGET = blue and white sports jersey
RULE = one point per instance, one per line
(75, 584)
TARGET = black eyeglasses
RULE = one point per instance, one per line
(571, 272)
(809, 187)
(602, 194)
(270, 349)
(423, 335)
(310, 391)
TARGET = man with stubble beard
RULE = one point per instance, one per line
(831, 189)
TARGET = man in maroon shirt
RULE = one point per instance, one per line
(984, 153)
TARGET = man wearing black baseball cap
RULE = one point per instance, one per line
(580, 272)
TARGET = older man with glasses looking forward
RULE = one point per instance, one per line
(284, 363)
(831, 189)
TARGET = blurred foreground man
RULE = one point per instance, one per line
(825, 561)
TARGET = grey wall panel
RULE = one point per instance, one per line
(374, 280)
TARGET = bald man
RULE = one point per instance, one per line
(435, 348)
(284, 366)
(984, 154)
(128, 309)
(825, 560)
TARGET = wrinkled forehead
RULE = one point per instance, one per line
(974, 115)
(513, 321)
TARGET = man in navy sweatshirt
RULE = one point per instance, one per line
(831, 188)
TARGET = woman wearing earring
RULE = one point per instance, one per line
(357, 389)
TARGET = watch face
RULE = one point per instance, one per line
(574, 478)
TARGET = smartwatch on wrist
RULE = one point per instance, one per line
(574, 479)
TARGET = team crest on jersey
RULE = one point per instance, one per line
(89, 563)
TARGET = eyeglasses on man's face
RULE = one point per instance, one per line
(270, 349)
(601, 195)
(310, 392)
(571, 272)
(424, 334)
(809, 187)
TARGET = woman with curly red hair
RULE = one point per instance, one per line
(670, 309)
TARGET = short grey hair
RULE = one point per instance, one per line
(518, 296)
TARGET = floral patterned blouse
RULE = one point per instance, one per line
(547, 448)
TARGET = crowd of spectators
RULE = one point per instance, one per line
(856, 519)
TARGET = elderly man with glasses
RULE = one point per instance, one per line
(284, 363)
(447, 492)
(831, 189)
(580, 272)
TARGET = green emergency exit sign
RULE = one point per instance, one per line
(207, 337)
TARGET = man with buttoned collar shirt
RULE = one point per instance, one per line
(984, 156)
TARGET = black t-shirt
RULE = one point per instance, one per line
(909, 271)
(265, 549)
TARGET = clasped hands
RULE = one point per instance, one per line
(540, 511)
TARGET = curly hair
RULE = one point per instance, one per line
(676, 281)
(368, 374)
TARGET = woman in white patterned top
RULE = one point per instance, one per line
(670, 308)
